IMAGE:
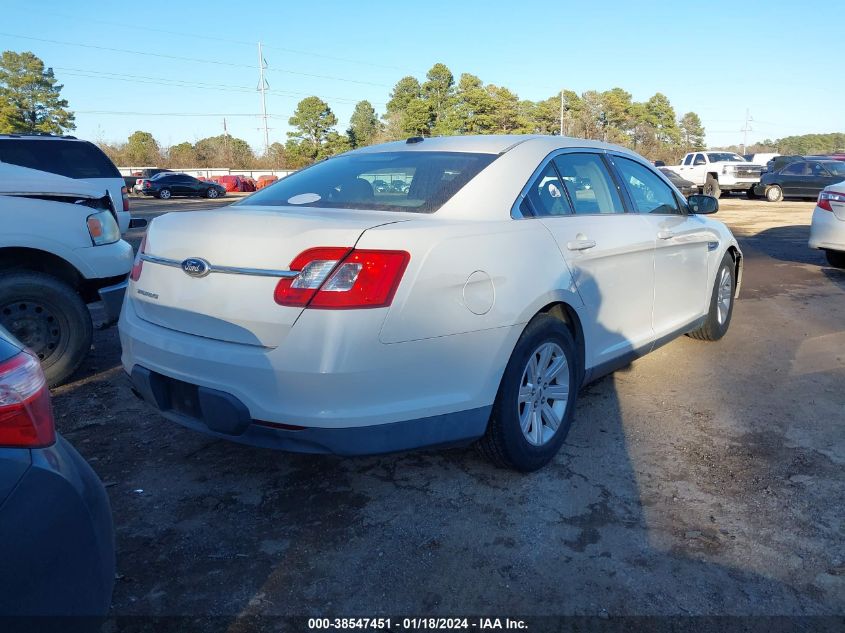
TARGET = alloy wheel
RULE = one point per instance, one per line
(724, 296)
(543, 393)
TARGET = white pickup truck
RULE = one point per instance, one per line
(715, 172)
(60, 249)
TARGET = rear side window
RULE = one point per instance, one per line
(648, 191)
(546, 196)
(588, 183)
(796, 169)
(688, 159)
(72, 159)
(416, 181)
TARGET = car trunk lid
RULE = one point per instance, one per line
(250, 243)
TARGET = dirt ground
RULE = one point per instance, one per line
(705, 479)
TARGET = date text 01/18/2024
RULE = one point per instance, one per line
(417, 623)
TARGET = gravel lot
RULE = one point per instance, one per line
(705, 479)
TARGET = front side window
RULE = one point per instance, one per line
(546, 196)
(588, 183)
(648, 192)
(835, 169)
(699, 159)
(415, 181)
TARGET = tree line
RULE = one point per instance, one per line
(438, 104)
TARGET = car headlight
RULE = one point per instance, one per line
(729, 169)
(103, 228)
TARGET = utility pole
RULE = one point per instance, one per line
(262, 88)
(746, 129)
(561, 113)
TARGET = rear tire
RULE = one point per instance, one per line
(774, 193)
(721, 304)
(749, 193)
(711, 187)
(50, 318)
(533, 409)
(164, 194)
(835, 258)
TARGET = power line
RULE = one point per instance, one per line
(179, 83)
(186, 114)
(192, 59)
(231, 41)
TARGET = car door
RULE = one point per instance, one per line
(685, 169)
(820, 178)
(192, 186)
(610, 253)
(682, 246)
(792, 178)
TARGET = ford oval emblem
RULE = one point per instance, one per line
(196, 267)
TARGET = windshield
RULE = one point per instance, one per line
(719, 157)
(419, 182)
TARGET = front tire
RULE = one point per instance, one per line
(164, 194)
(211, 193)
(835, 258)
(50, 318)
(721, 303)
(711, 187)
(774, 194)
(533, 409)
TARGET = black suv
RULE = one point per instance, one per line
(167, 184)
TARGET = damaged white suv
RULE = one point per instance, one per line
(60, 249)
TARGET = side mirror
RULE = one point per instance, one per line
(702, 205)
(138, 223)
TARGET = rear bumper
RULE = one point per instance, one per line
(330, 371)
(57, 539)
(827, 231)
(220, 414)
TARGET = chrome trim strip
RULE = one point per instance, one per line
(229, 270)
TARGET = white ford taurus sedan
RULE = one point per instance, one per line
(430, 292)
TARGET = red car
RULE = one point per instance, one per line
(232, 183)
(263, 181)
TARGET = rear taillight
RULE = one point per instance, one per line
(26, 417)
(342, 279)
(826, 197)
(124, 192)
(138, 264)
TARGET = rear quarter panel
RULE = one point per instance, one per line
(470, 276)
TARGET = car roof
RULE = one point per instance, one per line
(42, 137)
(484, 144)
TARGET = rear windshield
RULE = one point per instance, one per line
(419, 182)
(73, 159)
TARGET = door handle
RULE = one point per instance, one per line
(580, 245)
(665, 235)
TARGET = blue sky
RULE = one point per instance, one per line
(777, 58)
